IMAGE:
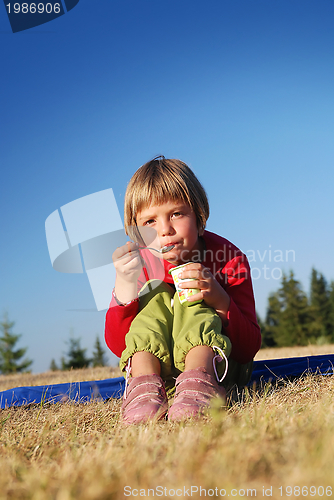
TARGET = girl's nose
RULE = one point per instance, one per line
(166, 228)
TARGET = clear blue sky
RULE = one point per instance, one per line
(241, 90)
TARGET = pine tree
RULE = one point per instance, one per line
(98, 354)
(262, 328)
(295, 317)
(272, 321)
(53, 366)
(63, 364)
(9, 357)
(331, 312)
(76, 356)
(320, 327)
(288, 317)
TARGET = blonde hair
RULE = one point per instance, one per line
(161, 180)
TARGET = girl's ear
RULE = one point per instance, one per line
(201, 231)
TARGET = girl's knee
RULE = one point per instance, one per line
(145, 363)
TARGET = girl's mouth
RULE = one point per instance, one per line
(166, 248)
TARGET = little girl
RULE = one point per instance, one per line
(158, 338)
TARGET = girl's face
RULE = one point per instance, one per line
(175, 224)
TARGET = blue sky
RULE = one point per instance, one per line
(240, 90)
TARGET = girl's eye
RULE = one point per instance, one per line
(176, 214)
(150, 221)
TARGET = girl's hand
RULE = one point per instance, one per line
(128, 265)
(211, 291)
(127, 262)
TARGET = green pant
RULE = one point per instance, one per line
(169, 332)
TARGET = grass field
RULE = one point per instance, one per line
(277, 443)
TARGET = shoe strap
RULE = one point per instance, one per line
(217, 359)
(128, 373)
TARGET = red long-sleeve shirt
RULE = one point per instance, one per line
(231, 269)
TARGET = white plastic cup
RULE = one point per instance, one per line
(183, 293)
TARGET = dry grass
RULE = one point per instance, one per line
(283, 436)
(57, 377)
(297, 351)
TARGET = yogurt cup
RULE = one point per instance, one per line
(183, 293)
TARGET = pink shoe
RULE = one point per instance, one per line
(194, 392)
(144, 399)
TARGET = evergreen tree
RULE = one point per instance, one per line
(76, 356)
(53, 366)
(331, 312)
(272, 321)
(288, 318)
(320, 327)
(63, 364)
(98, 354)
(295, 318)
(262, 328)
(9, 357)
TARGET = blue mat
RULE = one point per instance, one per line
(273, 369)
(78, 392)
(82, 392)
